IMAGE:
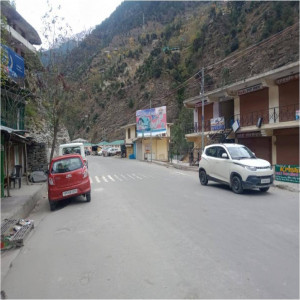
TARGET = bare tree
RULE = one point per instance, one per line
(52, 83)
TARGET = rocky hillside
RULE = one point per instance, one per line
(152, 52)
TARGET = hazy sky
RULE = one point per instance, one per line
(79, 14)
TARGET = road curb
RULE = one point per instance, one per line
(19, 207)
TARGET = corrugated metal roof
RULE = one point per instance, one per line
(117, 143)
(11, 130)
(102, 143)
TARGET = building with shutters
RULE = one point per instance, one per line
(18, 38)
(261, 112)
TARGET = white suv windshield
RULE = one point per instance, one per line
(240, 152)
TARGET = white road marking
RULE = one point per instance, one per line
(180, 173)
(110, 178)
(121, 177)
(118, 177)
(124, 177)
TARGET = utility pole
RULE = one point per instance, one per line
(202, 117)
(150, 131)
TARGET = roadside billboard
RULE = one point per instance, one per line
(13, 63)
(151, 121)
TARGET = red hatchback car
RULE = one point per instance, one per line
(68, 177)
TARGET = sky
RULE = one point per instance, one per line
(79, 14)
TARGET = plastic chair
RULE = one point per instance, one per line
(16, 175)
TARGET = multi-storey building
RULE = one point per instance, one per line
(261, 112)
(17, 45)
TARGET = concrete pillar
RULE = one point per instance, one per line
(236, 105)
(216, 110)
(195, 115)
(274, 151)
(273, 104)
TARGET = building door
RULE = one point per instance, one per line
(287, 146)
(227, 111)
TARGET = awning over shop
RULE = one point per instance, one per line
(15, 134)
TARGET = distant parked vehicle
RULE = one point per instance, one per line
(113, 151)
(73, 148)
(68, 177)
(104, 151)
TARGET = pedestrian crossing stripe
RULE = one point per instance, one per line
(124, 177)
(120, 177)
(130, 177)
(110, 178)
(137, 176)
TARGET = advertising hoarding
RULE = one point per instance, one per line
(13, 63)
(151, 122)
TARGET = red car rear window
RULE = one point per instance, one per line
(66, 165)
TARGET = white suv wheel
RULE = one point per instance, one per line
(203, 177)
(236, 184)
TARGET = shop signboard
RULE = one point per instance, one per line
(250, 89)
(287, 173)
(287, 78)
(217, 124)
(151, 122)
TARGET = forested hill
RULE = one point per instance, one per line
(153, 50)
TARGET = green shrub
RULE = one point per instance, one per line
(234, 45)
(131, 103)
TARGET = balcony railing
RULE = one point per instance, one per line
(272, 115)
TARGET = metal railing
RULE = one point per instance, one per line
(272, 115)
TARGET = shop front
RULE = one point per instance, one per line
(260, 145)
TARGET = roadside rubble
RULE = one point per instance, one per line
(14, 231)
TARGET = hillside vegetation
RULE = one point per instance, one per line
(153, 51)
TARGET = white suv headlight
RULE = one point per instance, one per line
(250, 168)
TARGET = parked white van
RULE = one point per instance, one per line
(73, 148)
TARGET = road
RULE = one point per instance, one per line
(155, 232)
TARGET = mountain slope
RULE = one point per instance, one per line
(154, 51)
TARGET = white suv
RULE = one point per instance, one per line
(236, 166)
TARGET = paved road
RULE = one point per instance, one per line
(155, 232)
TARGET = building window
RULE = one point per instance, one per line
(128, 133)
